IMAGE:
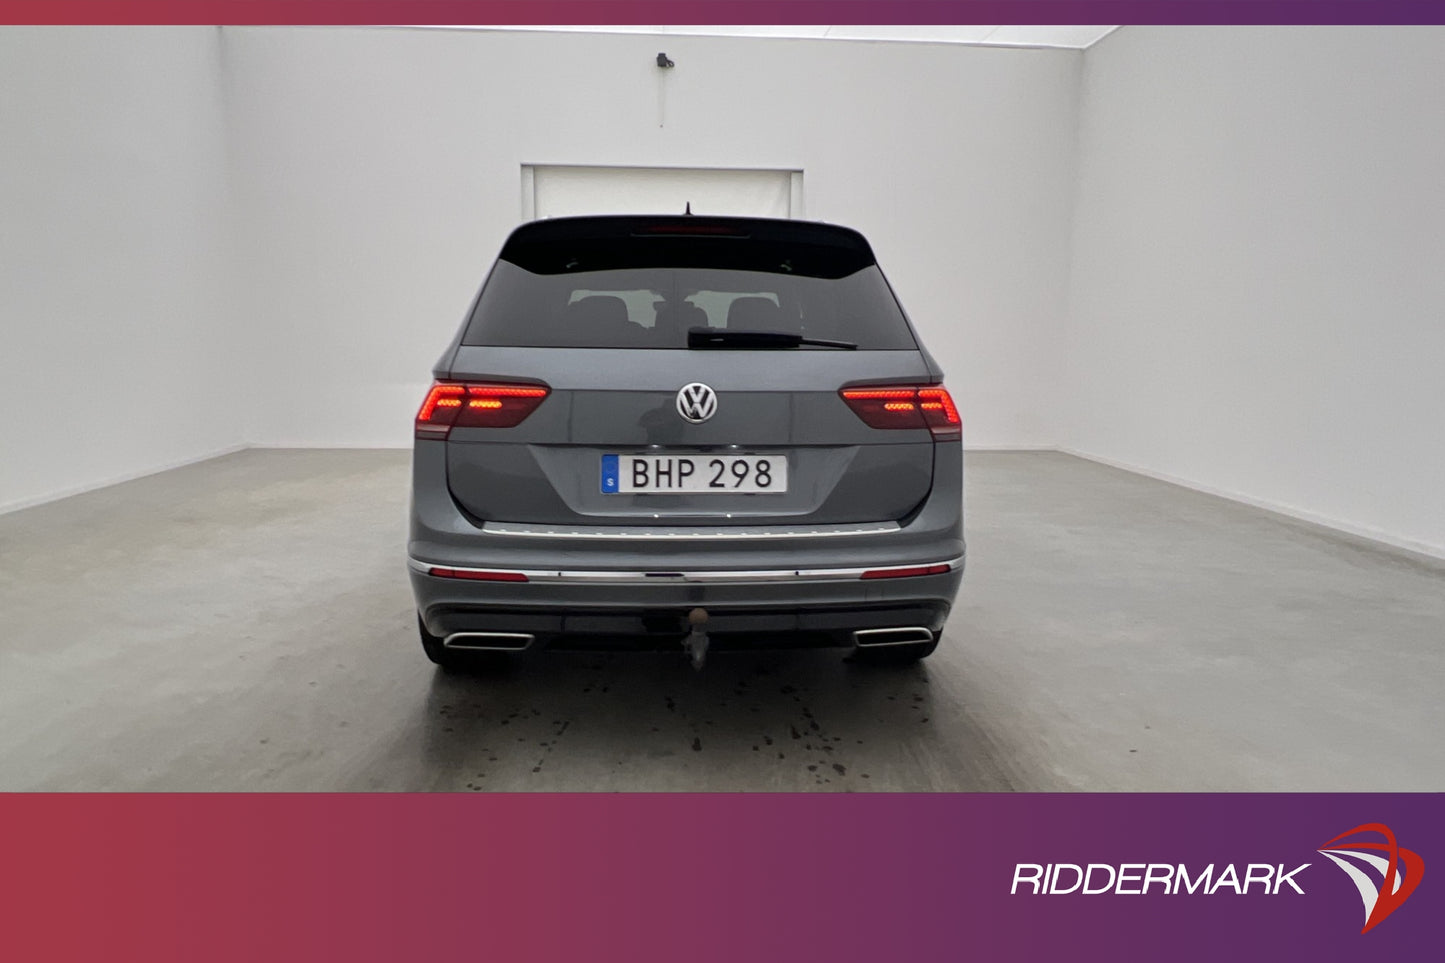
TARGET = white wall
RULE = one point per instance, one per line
(115, 350)
(1258, 284)
(378, 171)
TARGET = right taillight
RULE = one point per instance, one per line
(451, 405)
(906, 406)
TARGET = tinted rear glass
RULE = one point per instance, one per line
(653, 307)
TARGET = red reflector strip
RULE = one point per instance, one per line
(476, 576)
(907, 572)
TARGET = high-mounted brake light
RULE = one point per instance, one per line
(906, 406)
(693, 227)
(449, 405)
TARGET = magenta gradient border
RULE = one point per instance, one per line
(724, 11)
(697, 878)
(682, 877)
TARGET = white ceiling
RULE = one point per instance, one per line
(1032, 35)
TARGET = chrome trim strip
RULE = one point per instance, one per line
(681, 533)
(671, 577)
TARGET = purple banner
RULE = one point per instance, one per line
(721, 878)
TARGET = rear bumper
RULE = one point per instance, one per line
(611, 611)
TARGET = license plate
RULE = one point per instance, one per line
(694, 474)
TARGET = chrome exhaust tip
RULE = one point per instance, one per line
(488, 641)
(877, 638)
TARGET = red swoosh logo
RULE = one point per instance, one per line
(1389, 899)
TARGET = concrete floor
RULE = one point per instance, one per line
(246, 624)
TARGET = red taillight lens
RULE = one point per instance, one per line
(906, 406)
(475, 575)
(449, 406)
(906, 572)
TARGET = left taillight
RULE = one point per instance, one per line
(906, 406)
(451, 405)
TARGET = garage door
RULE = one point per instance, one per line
(562, 191)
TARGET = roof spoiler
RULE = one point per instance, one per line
(575, 244)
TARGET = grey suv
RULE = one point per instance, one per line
(686, 432)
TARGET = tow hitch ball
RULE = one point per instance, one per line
(695, 642)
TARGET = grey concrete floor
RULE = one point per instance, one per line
(246, 624)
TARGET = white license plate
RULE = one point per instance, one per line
(694, 474)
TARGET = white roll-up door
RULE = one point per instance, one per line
(556, 191)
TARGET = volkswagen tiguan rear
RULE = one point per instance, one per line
(685, 432)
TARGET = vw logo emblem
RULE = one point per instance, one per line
(696, 402)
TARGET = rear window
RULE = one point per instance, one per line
(653, 307)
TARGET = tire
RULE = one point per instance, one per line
(895, 654)
(435, 650)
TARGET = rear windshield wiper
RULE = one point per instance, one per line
(723, 338)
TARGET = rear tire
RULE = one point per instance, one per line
(460, 660)
(435, 650)
(894, 654)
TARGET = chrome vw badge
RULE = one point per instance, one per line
(696, 402)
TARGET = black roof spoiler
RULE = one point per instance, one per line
(567, 244)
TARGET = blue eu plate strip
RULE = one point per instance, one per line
(609, 474)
